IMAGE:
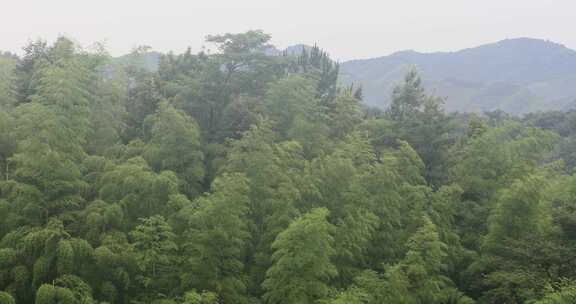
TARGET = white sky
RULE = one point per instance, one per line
(346, 29)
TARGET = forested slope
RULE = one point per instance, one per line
(518, 76)
(239, 177)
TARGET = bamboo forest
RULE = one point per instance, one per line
(242, 175)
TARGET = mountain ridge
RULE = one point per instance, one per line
(516, 75)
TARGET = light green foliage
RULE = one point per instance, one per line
(136, 188)
(291, 99)
(108, 292)
(424, 263)
(353, 235)
(6, 298)
(248, 175)
(353, 296)
(82, 292)
(520, 212)
(419, 119)
(311, 135)
(48, 294)
(407, 161)
(333, 177)
(418, 278)
(40, 272)
(44, 161)
(193, 297)
(392, 288)
(380, 131)
(425, 244)
(107, 109)
(7, 143)
(65, 260)
(272, 171)
(396, 195)
(489, 162)
(302, 265)
(155, 249)
(53, 253)
(175, 145)
(520, 221)
(115, 261)
(407, 99)
(62, 84)
(216, 240)
(498, 156)
(101, 217)
(8, 257)
(52, 128)
(565, 295)
(343, 114)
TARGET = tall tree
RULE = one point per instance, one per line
(34, 53)
(175, 145)
(216, 240)
(155, 247)
(419, 119)
(302, 266)
(272, 171)
(520, 216)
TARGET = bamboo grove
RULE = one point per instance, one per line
(238, 176)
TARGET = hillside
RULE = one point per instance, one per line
(518, 76)
(515, 75)
(238, 178)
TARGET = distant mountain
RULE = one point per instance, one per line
(149, 60)
(515, 75)
(293, 50)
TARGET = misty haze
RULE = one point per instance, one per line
(252, 152)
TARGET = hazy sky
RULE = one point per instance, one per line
(347, 29)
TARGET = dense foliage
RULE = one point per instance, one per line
(245, 177)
